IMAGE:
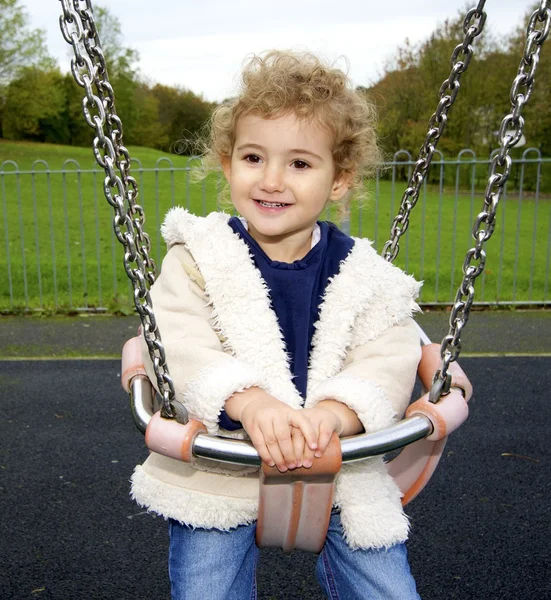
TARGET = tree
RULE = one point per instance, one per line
(155, 117)
(119, 58)
(80, 134)
(407, 94)
(122, 65)
(35, 106)
(19, 46)
(148, 131)
(182, 115)
(537, 112)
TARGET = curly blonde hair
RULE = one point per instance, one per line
(279, 82)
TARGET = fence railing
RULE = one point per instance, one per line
(61, 252)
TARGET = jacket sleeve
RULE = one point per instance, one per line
(377, 378)
(204, 373)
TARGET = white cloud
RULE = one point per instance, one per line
(201, 46)
(204, 62)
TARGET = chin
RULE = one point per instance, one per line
(268, 231)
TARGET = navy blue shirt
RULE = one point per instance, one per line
(296, 292)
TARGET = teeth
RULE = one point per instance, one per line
(271, 204)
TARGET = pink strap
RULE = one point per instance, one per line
(414, 466)
(172, 439)
(132, 363)
(431, 362)
(446, 415)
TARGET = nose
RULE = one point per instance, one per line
(273, 178)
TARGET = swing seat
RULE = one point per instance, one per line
(295, 506)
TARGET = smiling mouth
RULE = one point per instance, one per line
(272, 204)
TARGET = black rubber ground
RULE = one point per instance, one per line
(69, 530)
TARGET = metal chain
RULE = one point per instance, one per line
(473, 25)
(509, 134)
(120, 188)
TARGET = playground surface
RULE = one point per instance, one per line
(489, 333)
(70, 531)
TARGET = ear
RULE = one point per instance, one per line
(225, 162)
(341, 185)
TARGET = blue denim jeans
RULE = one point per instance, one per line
(221, 565)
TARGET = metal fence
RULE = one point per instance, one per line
(61, 253)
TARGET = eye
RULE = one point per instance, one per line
(300, 165)
(252, 158)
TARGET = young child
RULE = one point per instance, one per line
(300, 331)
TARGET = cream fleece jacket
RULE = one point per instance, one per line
(226, 338)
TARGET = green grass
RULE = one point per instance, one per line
(58, 250)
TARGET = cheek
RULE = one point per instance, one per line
(238, 179)
(322, 187)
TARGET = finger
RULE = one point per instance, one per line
(323, 441)
(282, 431)
(306, 427)
(274, 448)
(307, 457)
(299, 443)
(260, 446)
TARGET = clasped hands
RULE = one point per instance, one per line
(286, 437)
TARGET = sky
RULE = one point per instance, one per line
(201, 45)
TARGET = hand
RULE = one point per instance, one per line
(273, 426)
(325, 422)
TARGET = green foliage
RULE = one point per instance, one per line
(37, 103)
(79, 132)
(19, 45)
(183, 116)
(407, 94)
(148, 130)
(35, 107)
(537, 112)
(121, 60)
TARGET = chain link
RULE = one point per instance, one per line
(120, 188)
(473, 25)
(510, 133)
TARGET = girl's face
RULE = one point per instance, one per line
(281, 176)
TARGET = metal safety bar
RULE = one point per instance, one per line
(242, 452)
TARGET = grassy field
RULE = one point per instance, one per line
(60, 253)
